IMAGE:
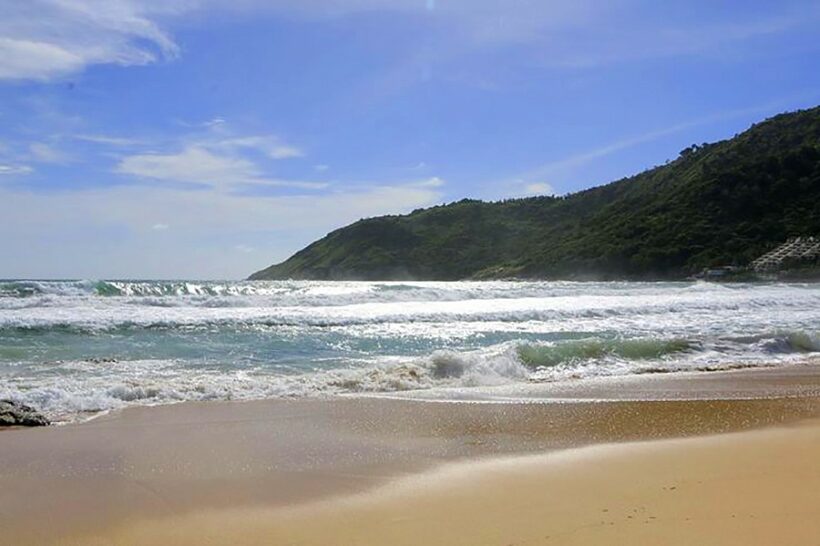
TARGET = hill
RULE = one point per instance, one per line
(716, 204)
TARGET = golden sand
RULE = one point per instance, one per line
(698, 465)
(748, 488)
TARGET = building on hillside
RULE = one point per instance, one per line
(796, 252)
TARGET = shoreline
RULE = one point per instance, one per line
(796, 379)
(147, 464)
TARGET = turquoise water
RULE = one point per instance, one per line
(79, 347)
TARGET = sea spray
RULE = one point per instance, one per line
(74, 348)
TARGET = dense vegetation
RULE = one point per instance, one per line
(716, 204)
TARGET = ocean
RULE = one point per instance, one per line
(74, 349)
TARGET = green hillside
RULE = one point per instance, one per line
(716, 204)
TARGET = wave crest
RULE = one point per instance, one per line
(547, 355)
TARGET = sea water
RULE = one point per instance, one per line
(76, 348)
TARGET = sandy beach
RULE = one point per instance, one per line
(748, 488)
(409, 273)
(717, 458)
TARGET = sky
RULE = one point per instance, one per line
(207, 139)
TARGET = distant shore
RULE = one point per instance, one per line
(808, 275)
(377, 471)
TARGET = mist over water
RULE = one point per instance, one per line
(74, 348)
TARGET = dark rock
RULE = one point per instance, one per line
(15, 414)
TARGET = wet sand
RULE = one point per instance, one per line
(265, 472)
(751, 488)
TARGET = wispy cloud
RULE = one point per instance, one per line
(195, 247)
(584, 158)
(44, 39)
(6, 170)
(46, 153)
(645, 40)
(214, 122)
(192, 164)
(139, 206)
(568, 164)
(433, 182)
(199, 165)
(218, 155)
(538, 188)
(108, 140)
(271, 146)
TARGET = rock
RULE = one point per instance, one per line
(15, 414)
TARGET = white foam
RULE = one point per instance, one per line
(371, 337)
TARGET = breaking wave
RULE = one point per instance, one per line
(96, 385)
(77, 347)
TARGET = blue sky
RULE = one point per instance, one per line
(208, 139)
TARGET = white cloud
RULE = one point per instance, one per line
(45, 153)
(207, 229)
(44, 39)
(321, 168)
(15, 169)
(269, 145)
(205, 211)
(108, 140)
(199, 165)
(433, 182)
(26, 59)
(538, 188)
(193, 164)
(215, 122)
(218, 157)
(567, 165)
(160, 227)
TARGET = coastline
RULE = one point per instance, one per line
(139, 474)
